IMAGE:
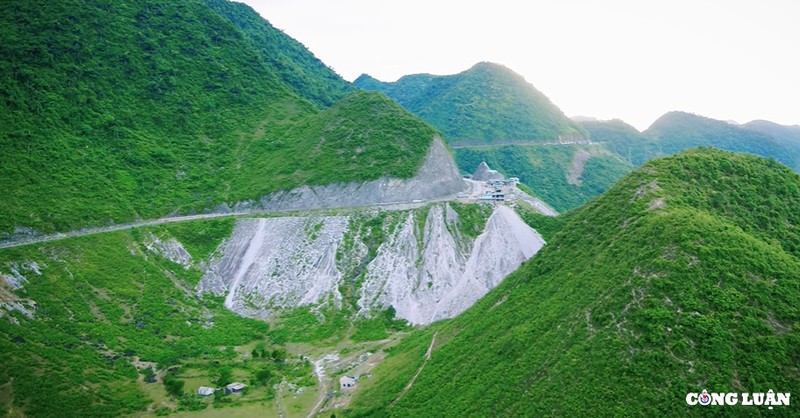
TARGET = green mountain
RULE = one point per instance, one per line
(676, 131)
(789, 135)
(486, 103)
(119, 110)
(489, 113)
(681, 277)
(294, 64)
(92, 313)
(623, 139)
(564, 176)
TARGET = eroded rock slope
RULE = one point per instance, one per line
(424, 265)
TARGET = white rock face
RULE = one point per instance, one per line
(9, 301)
(171, 249)
(277, 262)
(426, 272)
(446, 279)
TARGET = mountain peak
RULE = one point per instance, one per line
(487, 102)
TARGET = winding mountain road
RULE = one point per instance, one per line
(475, 189)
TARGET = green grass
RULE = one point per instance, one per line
(201, 238)
(100, 301)
(243, 411)
(546, 226)
(472, 217)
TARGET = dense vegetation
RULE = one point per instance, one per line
(486, 102)
(100, 303)
(557, 174)
(116, 110)
(677, 131)
(294, 64)
(681, 277)
(788, 135)
(624, 140)
(111, 324)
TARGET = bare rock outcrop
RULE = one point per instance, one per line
(484, 173)
(425, 268)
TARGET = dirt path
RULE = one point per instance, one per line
(422, 366)
(279, 401)
(455, 144)
(319, 370)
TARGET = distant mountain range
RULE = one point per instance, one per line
(489, 113)
(676, 131)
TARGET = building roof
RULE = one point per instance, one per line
(347, 379)
(205, 390)
(236, 386)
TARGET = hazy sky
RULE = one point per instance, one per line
(629, 59)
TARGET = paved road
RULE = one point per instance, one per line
(475, 189)
(103, 229)
(172, 219)
(457, 145)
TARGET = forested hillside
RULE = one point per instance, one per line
(624, 140)
(682, 277)
(676, 131)
(122, 110)
(290, 59)
(487, 102)
(788, 135)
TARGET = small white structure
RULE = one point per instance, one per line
(205, 391)
(234, 387)
(347, 382)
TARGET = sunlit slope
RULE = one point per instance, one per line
(486, 103)
(137, 109)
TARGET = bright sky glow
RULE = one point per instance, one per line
(629, 59)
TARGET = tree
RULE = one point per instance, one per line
(263, 376)
(279, 355)
(173, 385)
(224, 376)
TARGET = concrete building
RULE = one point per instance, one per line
(234, 387)
(347, 382)
(205, 391)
